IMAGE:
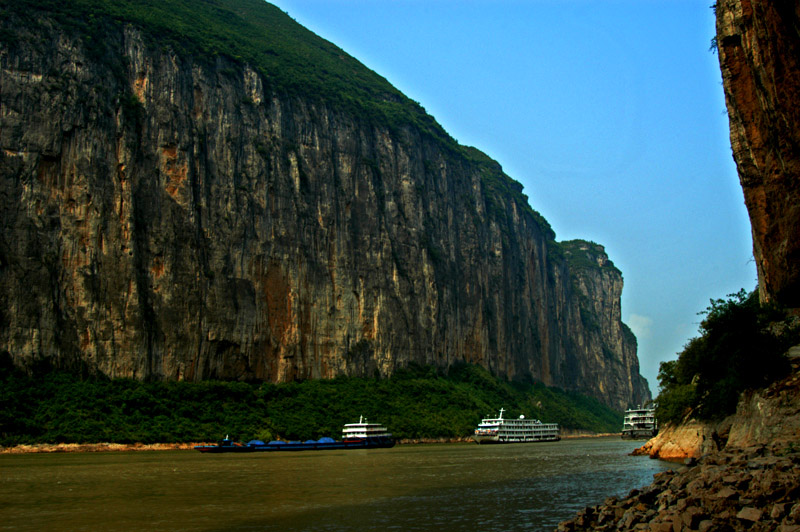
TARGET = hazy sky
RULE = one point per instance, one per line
(610, 113)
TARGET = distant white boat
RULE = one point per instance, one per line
(520, 430)
(371, 434)
(640, 423)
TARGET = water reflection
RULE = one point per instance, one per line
(434, 487)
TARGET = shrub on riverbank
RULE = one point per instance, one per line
(416, 402)
(741, 346)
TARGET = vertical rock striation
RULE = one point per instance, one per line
(169, 216)
(759, 52)
(606, 346)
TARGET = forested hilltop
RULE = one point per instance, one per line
(206, 190)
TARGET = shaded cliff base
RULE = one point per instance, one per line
(60, 407)
(741, 474)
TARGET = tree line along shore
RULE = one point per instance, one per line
(417, 404)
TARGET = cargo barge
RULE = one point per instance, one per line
(361, 435)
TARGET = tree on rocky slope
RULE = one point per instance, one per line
(740, 347)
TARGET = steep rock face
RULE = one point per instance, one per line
(606, 345)
(171, 217)
(759, 53)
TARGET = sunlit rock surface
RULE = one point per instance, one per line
(759, 53)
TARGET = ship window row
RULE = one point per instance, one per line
(522, 431)
(541, 427)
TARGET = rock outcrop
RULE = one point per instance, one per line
(763, 418)
(675, 443)
(759, 53)
(174, 216)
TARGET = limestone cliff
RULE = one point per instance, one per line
(759, 52)
(170, 213)
(604, 345)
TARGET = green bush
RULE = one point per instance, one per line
(738, 349)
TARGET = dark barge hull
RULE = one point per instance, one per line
(225, 447)
(509, 442)
(641, 434)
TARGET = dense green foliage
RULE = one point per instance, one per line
(417, 402)
(741, 347)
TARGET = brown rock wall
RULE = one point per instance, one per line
(759, 53)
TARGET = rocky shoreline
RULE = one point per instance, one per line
(748, 489)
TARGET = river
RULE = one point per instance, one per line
(454, 487)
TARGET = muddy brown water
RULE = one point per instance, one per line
(409, 487)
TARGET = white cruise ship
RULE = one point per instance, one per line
(372, 434)
(640, 423)
(521, 430)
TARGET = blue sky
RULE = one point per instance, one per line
(610, 113)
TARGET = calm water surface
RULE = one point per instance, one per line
(411, 487)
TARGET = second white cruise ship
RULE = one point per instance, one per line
(521, 430)
(640, 423)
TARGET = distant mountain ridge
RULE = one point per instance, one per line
(208, 190)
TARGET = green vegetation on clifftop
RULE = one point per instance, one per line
(417, 402)
(584, 254)
(291, 59)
